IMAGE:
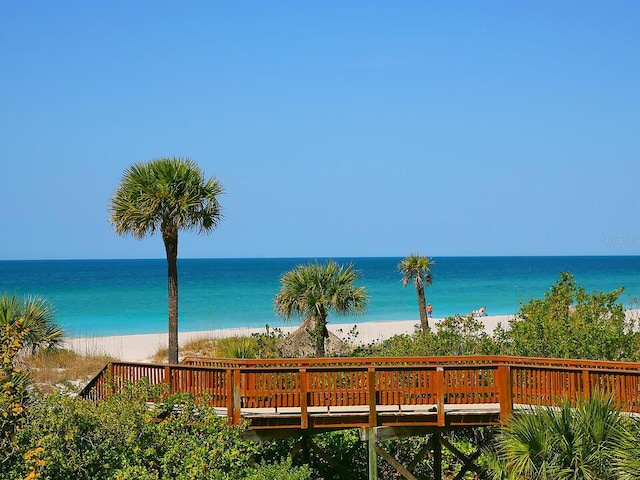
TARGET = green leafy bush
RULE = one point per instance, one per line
(120, 438)
(569, 322)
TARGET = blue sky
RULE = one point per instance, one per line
(337, 128)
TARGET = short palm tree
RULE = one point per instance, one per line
(169, 195)
(417, 269)
(314, 290)
(36, 317)
(627, 451)
(563, 443)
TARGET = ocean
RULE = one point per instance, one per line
(119, 297)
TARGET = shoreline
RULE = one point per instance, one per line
(141, 347)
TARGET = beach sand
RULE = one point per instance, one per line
(140, 348)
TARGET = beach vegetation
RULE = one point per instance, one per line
(61, 436)
(569, 322)
(312, 291)
(38, 321)
(61, 369)
(582, 441)
(456, 335)
(168, 195)
(236, 346)
(14, 383)
(416, 269)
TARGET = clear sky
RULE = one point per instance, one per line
(338, 128)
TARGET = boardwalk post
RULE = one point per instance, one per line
(229, 380)
(505, 392)
(437, 456)
(167, 378)
(440, 394)
(371, 380)
(108, 385)
(304, 389)
(237, 396)
(373, 456)
(373, 422)
(586, 384)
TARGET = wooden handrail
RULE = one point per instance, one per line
(370, 383)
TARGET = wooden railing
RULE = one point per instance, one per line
(302, 385)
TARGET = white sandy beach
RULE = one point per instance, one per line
(140, 348)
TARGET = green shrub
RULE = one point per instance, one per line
(67, 437)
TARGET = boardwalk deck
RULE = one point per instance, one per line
(334, 393)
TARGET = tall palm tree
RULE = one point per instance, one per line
(36, 317)
(417, 268)
(314, 290)
(168, 194)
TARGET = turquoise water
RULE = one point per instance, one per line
(112, 297)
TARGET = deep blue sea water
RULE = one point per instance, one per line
(113, 297)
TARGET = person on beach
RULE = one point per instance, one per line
(429, 310)
(480, 312)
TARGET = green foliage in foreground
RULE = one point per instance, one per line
(65, 437)
(594, 440)
(14, 383)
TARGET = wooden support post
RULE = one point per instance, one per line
(229, 380)
(373, 457)
(304, 399)
(437, 456)
(440, 394)
(237, 397)
(373, 413)
(586, 384)
(167, 379)
(505, 392)
(108, 385)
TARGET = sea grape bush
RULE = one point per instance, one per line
(569, 322)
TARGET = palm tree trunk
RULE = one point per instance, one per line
(320, 335)
(316, 329)
(171, 248)
(422, 306)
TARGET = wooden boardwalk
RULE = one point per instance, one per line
(330, 393)
(386, 398)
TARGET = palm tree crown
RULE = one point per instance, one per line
(570, 442)
(314, 290)
(168, 194)
(417, 268)
(36, 318)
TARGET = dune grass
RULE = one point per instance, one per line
(62, 369)
(220, 347)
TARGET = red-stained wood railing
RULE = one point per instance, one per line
(371, 383)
